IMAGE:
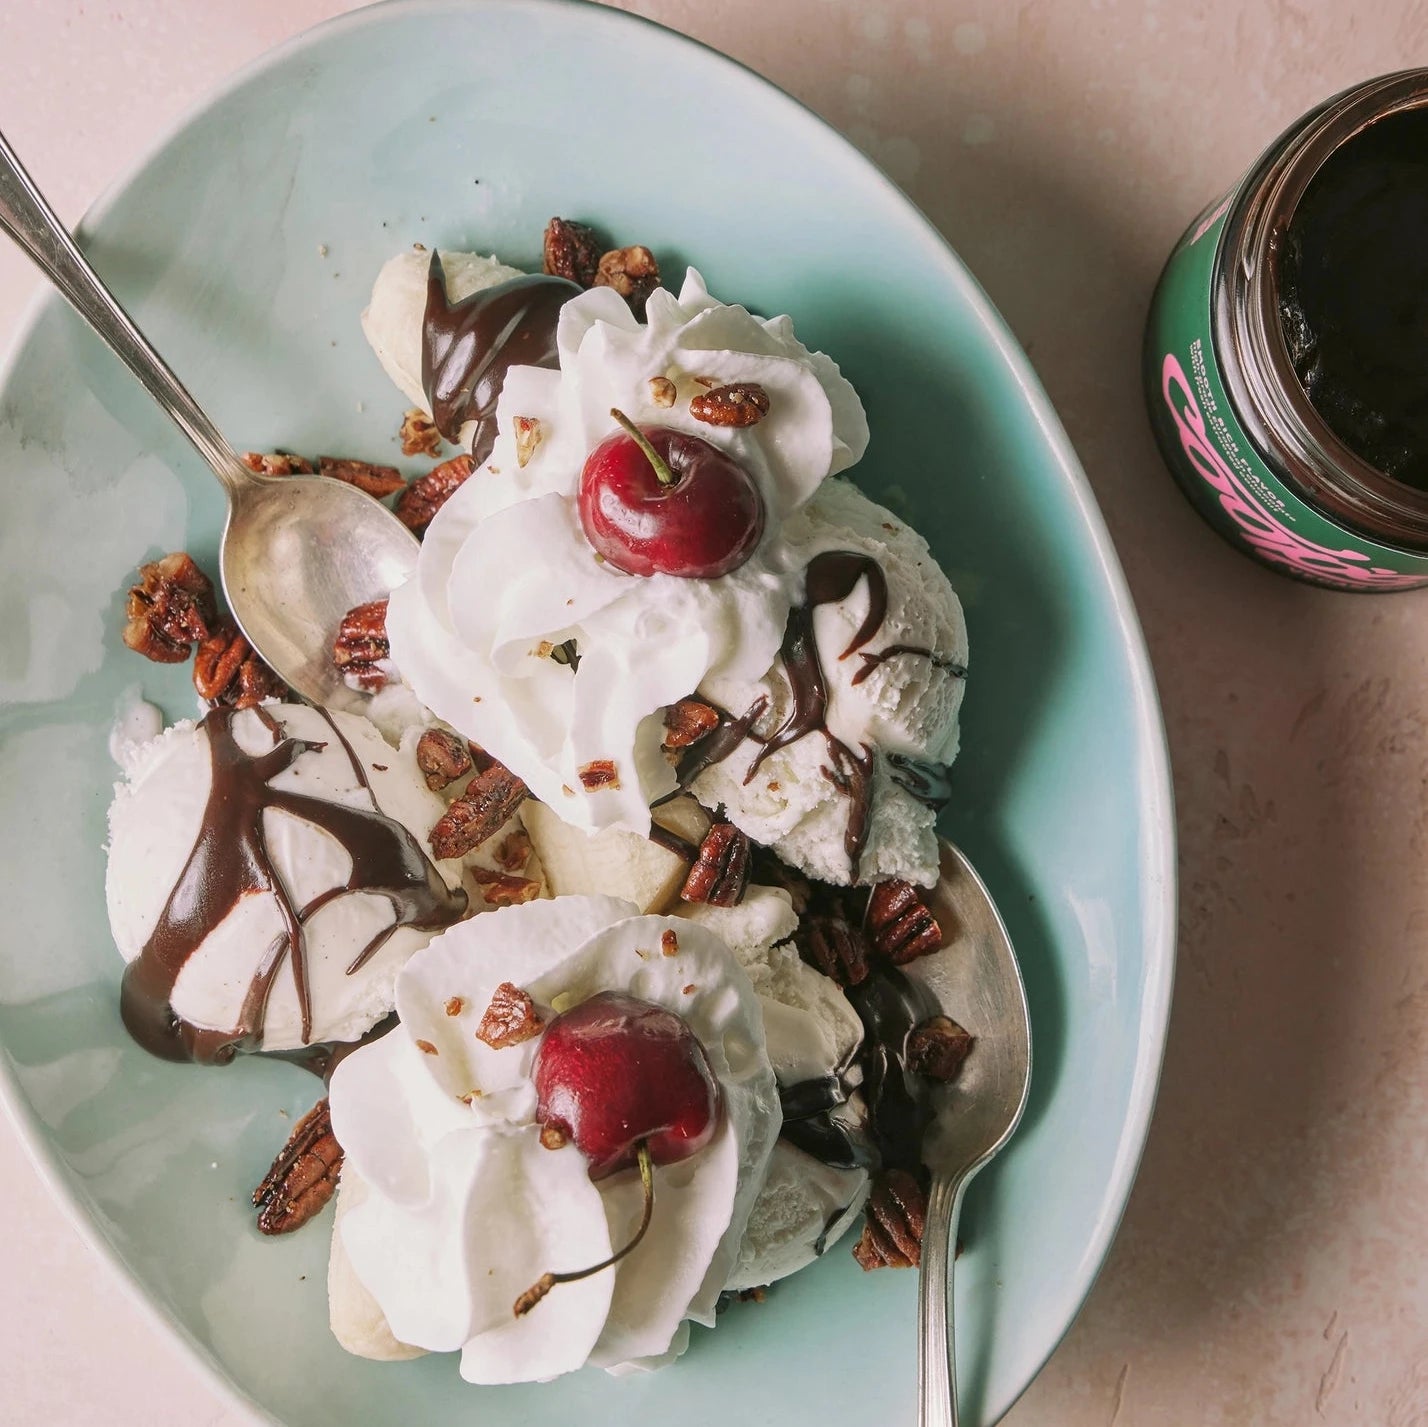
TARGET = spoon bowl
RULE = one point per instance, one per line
(976, 981)
(298, 552)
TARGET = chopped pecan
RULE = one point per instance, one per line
(417, 505)
(721, 872)
(663, 391)
(834, 946)
(361, 647)
(454, 1005)
(938, 1048)
(419, 434)
(599, 773)
(894, 1222)
(442, 758)
(686, 722)
(228, 673)
(632, 272)
(510, 1018)
(572, 251)
(514, 851)
(171, 609)
(739, 404)
(501, 889)
(529, 434)
(479, 813)
(900, 924)
(277, 463)
(552, 1137)
(669, 942)
(303, 1175)
(377, 481)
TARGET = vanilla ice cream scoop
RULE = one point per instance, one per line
(464, 1207)
(267, 879)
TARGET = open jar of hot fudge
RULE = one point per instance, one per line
(1286, 355)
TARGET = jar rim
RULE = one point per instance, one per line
(1251, 335)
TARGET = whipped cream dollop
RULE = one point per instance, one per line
(506, 574)
(464, 1208)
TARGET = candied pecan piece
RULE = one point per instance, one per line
(687, 721)
(720, 874)
(599, 773)
(738, 404)
(514, 851)
(900, 924)
(894, 1222)
(377, 481)
(228, 673)
(277, 463)
(571, 250)
(502, 889)
(510, 1018)
(171, 609)
(479, 813)
(938, 1047)
(442, 758)
(632, 272)
(418, 504)
(361, 647)
(834, 946)
(303, 1176)
(419, 434)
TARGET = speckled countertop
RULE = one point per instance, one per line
(1273, 1266)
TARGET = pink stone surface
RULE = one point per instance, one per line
(1273, 1266)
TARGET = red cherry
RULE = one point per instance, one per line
(615, 1071)
(654, 501)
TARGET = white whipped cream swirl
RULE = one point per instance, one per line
(506, 571)
(466, 1209)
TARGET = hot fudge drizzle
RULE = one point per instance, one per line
(230, 861)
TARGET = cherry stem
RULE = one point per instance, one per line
(547, 1281)
(663, 474)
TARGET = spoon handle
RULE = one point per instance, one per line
(30, 221)
(936, 1349)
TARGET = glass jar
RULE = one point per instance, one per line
(1232, 418)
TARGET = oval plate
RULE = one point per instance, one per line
(246, 245)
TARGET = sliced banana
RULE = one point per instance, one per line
(357, 1322)
(611, 863)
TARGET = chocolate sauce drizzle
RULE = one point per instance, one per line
(468, 347)
(230, 861)
(938, 661)
(816, 1114)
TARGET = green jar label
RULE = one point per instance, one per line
(1213, 459)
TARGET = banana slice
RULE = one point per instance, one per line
(612, 863)
(357, 1322)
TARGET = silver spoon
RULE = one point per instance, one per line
(298, 551)
(978, 983)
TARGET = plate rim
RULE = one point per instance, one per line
(1156, 845)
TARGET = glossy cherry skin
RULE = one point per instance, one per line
(616, 1070)
(704, 524)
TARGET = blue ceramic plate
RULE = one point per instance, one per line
(246, 245)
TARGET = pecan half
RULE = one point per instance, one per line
(720, 874)
(599, 773)
(377, 481)
(502, 889)
(479, 813)
(277, 463)
(442, 758)
(303, 1176)
(894, 1222)
(361, 647)
(834, 946)
(417, 505)
(938, 1048)
(510, 1018)
(571, 250)
(171, 609)
(228, 673)
(419, 434)
(686, 722)
(900, 924)
(632, 272)
(739, 404)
